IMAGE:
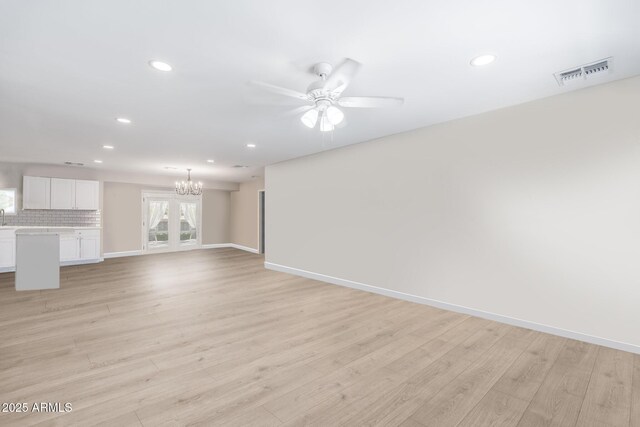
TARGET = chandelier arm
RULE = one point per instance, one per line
(189, 187)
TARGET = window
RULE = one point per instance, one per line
(8, 200)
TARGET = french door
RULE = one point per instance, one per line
(171, 222)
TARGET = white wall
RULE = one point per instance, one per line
(244, 229)
(122, 216)
(530, 212)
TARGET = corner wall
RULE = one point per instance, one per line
(244, 218)
(529, 214)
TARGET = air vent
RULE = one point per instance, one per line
(239, 166)
(584, 72)
(73, 164)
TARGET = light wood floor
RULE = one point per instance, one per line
(212, 338)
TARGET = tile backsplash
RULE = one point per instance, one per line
(64, 218)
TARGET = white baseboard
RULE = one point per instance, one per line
(80, 262)
(458, 308)
(121, 254)
(62, 264)
(243, 248)
(207, 246)
(229, 245)
(215, 246)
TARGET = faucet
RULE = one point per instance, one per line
(2, 224)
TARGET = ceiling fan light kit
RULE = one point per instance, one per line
(310, 118)
(325, 95)
(335, 115)
(325, 124)
(329, 115)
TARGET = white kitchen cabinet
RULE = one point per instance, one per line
(89, 244)
(75, 194)
(83, 245)
(7, 250)
(80, 247)
(69, 247)
(63, 193)
(36, 192)
(87, 193)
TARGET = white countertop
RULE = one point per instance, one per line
(48, 227)
(15, 227)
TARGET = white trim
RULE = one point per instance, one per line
(80, 262)
(632, 348)
(62, 263)
(260, 231)
(122, 254)
(207, 246)
(229, 245)
(243, 248)
(215, 245)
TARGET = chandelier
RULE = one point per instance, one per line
(188, 187)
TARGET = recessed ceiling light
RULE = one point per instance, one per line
(251, 145)
(108, 147)
(210, 161)
(97, 161)
(481, 60)
(160, 66)
(123, 120)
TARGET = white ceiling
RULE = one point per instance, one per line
(68, 68)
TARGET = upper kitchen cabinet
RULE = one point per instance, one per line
(36, 192)
(75, 194)
(87, 195)
(63, 193)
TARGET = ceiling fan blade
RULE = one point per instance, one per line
(341, 76)
(369, 102)
(298, 111)
(280, 90)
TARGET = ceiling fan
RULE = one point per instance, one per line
(325, 96)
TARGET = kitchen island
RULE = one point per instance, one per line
(38, 257)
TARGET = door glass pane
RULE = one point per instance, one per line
(158, 223)
(188, 224)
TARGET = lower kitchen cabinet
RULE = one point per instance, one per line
(81, 246)
(89, 244)
(69, 247)
(7, 250)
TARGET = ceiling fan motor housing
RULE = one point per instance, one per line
(323, 104)
(316, 90)
(323, 69)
